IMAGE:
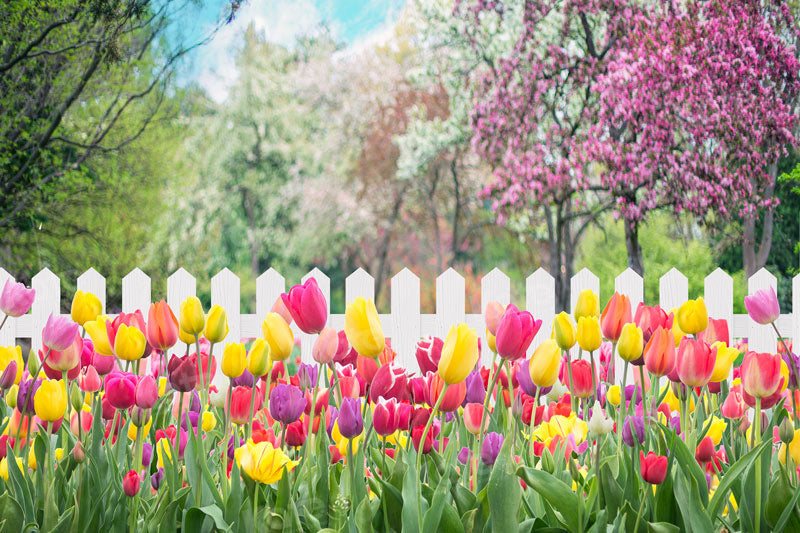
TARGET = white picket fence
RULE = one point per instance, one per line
(405, 324)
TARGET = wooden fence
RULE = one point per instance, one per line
(405, 324)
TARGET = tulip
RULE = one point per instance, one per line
(162, 326)
(192, 317)
(234, 360)
(276, 332)
(15, 300)
(307, 376)
(492, 444)
(631, 342)
(129, 343)
(25, 395)
(693, 316)
(262, 462)
(390, 381)
(473, 416)
(793, 444)
(428, 354)
(695, 362)
(615, 315)
(131, 483)
(491, 341)
(589, 338)
(582, 384)
(12, 354)
(8, 376)
(633, 427)
(654, 467)
(599, 424)
(563, 331)
(515, 333)
(384, 418)
(587, 306)
(146, 392)
(363, 327)
(68, 359)
(459, 354)
(286, 403)
(733, 407)
(121, 390)
(182, 373)
(85, 307)
(259, 359)
(475, 391)
(50, 400)
(650, 318)
(545, 364)
(725, 358)
(492, 316)
(760, 374)
(239, 409)
(325, 346)
(452, 397)
(762, 306)
(59, 332)
(524, 379)
(659, 354)
(216, 324)
(307, 305)
(295, 435)
(350, 422)
(416, 439)
(717, 331)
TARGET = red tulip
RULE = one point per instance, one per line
(131, 483)
(239, 410)
(162, 326)
(705, 450)
(416, 438)
(616, 314)
(307, 305)
(716, 331)
(761, 373)
(384, 418)
(404, 411)
(659, 353)
(345, 354)
(695, 362)
(367, 367)
(348, 381)
(296, 433)
(473, 415)
(452, 398)
(428, 353)
(654, 467)
(582, 386)
(515, 333)
(390, 381)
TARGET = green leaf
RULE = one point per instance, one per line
(778, 499)
(688, 496)
(364, 514)
(734, 474)
(414, 505)
(788, 512)
(662, 527)
(504, 491)
(689, 464)
(11, 512)
(195, 516)
(560, 496)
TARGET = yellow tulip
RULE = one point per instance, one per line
(4, 467)
(614, 395)
(693, 316)
(11, 396)
(97, 331)
(263, 463)
(133, 429)
(162, 386)
(163, 451)
(279, 336)
(259, 360)
(8, 354)
(491, 340)
(86, 307)
(677, 332)
(234, 360)
(192, 318)
(631, 342)
(716, 427)
(363, 327)
(216, 324)
(589, 337)
(59, 453)
(794, 450)
(32, 459)
(725, 358)
(209, 421)
(129, 343)
(545, 363)
(186, 338)
(459, 354)
(673, 402)
(50, 400)
(588, 305)
(563, 331)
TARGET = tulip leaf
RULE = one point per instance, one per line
(687, 494)
(195, 516)
(788, 512)
(21, 488)
(735, 473)
(433, 516)
(557, 493)
(311, 521)
(662, 527)
(414, 505)
(778, 500)
(11, 515)
(464, 498)
(691, 468)
(364, 514)
(451, 522)
(504, 491)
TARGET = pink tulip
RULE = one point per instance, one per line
(307, 305)
(162, 326)
(15, 300)
(390, 381)
(428, 353)
(761, 373)
(280, 308)
(146, 392)
(649, 319)
(86, 422)
(384, 418)
(515, 333)
(67, 359)
(695, 362)
(59, 332)
(325, 346)
(492, 315)
(131, 483)
(717, 331)
(763, 306)
(733, 406)
(89, 379)
(121, 390)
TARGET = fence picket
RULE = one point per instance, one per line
(136, 295)
(581, 281)
(91, 281)
(673, 289)
(540, 300)
(225, 291)
(795, 329)
(47, 300)
(631, 284)
(359, 283)
(269, 287)
(762, 338)
(9, 330)
(405, 317)
(450, 301)
(718, 295)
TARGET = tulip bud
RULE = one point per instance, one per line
(258, 360)
(563, 331)
(192, 318)
(786, 430)
(9, 376)
(277, 333)
(78, 453)
(234, 360)
(75, 397)
(459, 354)
(216, 324)
(548, 464)
(574, 471)
(33, 363)
(492, 443)
(325, 346)
(140, 417)
(11, 396)
(363, 327)
(131, 483)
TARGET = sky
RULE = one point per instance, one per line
(355, 22)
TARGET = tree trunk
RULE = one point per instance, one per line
(635, 259)
(755, 254)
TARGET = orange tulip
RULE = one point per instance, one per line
(659, 353)
(162, 326)
(616, 314)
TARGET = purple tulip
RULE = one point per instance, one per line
(350, 422)
(307, 374)
(194, 404)
(629, 390)
(286, 403)
(59, 332)
(525, 382)
(15, 300)
(449, 416)
(334, 416)
(232, 445)
(633, 424)
(675, 423)
(27, 390)
(492, 443)
(464, 455)
(147, 454)
(157, 478)
(762, 306)
(789, 359)
(146, 392)
(245, 380)
(476, 392)
(190, 417)
(9, 376)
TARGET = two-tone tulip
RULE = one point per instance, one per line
(615, 315)
(761, 374)
(659, 353)
(162, 326)
(695, 362)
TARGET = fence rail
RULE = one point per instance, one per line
(405, 324)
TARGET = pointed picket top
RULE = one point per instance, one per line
(673, 289)
(406, 327)
(226, 291)
(359, 283)
(540, 300)
(269, 287)
(450, 301)
(48, 300)
(495, 286)
(324, 283)
(8, 331)
(631, 284)
(180, 285)
(718, 295)
(581, 281)
(795, 330)
(762, 338)
(136, 292)
(91, 281)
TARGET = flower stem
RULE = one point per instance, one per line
(756, 442)
(485, 412)
(641, 508)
